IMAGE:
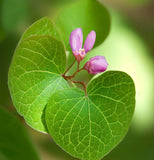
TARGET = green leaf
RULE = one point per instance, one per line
(86, 14)
(132, 57)
(44, 26)
(89, 127)
(15, 143)
(34, 75)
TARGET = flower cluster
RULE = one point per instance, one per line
(96, 64)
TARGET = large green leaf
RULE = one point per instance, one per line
(86, 14)
(35, 74)
(15, 144)
(125, 51)
(89, 127)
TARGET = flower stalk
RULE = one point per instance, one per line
(97, 64)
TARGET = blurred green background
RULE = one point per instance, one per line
(129, 47)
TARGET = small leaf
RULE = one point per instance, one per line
(34, 75)
(15, 143)
(86, 14)
(89, 127)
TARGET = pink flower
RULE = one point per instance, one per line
(96, 65)
(76, 40)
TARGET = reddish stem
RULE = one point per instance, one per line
(70, 77)
(84, 86)
(69, 68)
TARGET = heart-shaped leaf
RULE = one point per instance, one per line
(34, 75)
(89, 127)
(35, 71)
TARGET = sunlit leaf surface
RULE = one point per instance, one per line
(35, 74)
(89, 127)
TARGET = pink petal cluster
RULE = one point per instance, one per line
(76, 41)
(96, 64)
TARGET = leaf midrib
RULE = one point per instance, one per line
(85, 98)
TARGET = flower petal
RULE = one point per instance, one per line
(79, 55)
(90, 41)
(76, 39)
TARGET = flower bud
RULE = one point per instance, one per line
(96, 65)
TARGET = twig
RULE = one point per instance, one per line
(85, 89)
(69, 68)
(69, 77)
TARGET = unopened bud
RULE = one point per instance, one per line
(96, 65)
